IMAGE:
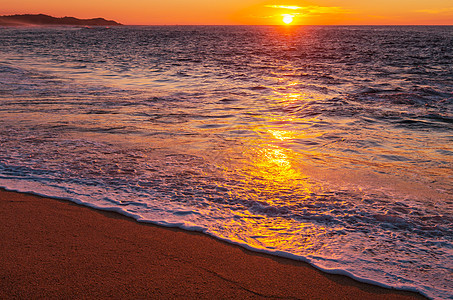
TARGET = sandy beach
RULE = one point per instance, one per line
(56, 249)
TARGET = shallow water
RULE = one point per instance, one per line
(331, 145)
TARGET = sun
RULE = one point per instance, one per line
(288, 19)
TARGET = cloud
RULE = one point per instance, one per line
(293, 7)
(313, 9)
(327, 10)
(436, 11)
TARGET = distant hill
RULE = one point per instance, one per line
(17, 20)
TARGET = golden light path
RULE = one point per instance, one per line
(269, 177)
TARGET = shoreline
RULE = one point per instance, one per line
(55, 248)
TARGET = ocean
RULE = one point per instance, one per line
(327, 144)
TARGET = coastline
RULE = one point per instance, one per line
(54, 248)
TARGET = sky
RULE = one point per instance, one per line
(244, 12)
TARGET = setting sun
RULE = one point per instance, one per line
(288, 19)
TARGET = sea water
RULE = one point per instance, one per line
(331, 145)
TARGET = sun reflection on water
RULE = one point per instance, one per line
(271, 178)
(282, 135)
(272, 164)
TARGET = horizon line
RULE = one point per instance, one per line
(176, 24)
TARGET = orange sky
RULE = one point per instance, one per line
(314, 12)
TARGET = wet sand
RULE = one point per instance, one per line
(56, 249)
